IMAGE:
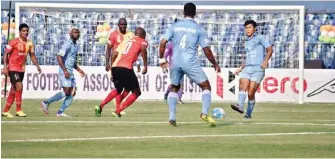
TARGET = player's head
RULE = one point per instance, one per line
(140, 32)
(122, 25)
(189, 10)
(74, 33)
(250, 27)
(24, 30)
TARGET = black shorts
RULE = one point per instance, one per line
(15, 76)
(124, 78)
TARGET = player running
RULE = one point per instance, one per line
(115, 39)
(168, 54)
(15, 58)
(67, 60)
(124, 77)
(185, 35)
(252, 72)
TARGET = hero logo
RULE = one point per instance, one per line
(273, 85)
(329, 86)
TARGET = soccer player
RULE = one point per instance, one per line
(67, 60)
(252, 72)
(15, 58)
(186, 35)
(115, 39)
(124, 77)
(168, 54)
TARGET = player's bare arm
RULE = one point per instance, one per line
(145, 59)
(80, 71)
(5, 61)
(267, 57)
(162, 60)
(61, 64)
(211, 58)
(108, 54)
(34, 60)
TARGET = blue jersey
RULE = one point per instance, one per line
(69, 56)
(255, 50)
(185, 36)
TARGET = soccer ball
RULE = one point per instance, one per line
(218, 113)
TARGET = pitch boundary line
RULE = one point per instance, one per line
(158, 122)
(168, 136)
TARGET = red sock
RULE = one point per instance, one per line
(109, 97)
(10, 99)
(130, 100)
(18, 97)
(120, 97)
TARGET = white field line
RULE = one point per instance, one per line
(168, 136)
(157, 122)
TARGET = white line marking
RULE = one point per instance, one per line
(157, 122)
(168, 136)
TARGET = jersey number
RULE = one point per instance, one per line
(183, 42)
(128, 46)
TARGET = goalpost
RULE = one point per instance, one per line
(283, 26)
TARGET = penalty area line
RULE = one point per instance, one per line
(175, 136)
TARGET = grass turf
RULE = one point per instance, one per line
(145, 125)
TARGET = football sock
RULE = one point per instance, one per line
(66, 103)
(120, 97)
(167, 91)
(180, 93)
(10, 99)
(241, 99)
(206, 101)
(58, 96)
(251, 105)
(18, 97)
(109, 97)
(172, 101)
(130, 100)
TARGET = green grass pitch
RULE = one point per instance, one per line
(276, 130)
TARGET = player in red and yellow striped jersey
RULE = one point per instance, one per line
(15, 58)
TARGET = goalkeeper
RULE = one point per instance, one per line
(253, 70)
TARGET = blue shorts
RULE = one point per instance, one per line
(194, 72)
(182, 78)
(67, 82)
(253, 73)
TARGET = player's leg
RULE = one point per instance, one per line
(176, 74)
(243, 87)
(18, 93)
(56, 97)
(119, 98)
(131, 84)
(9, 103)
(181, 91)
(116, 73)
(68, 85)
(197, 75)
(255, 81)
(167, 93)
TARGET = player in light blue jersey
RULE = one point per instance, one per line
(67, 59)
(253, 70)
(185, 36)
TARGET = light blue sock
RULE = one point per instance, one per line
(206, 101)
(251, 105)
(58, 96)
(172, 101)
(242, 95)
(66, 103)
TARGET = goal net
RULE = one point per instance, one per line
(280, 25)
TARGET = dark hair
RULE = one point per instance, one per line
(189, 9)
(250, 22)
(23, 25)
(176, 20)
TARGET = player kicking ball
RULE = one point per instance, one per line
(253, 70)
(15, 58)
(124, 77)
(185, 36)
(67, 60)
